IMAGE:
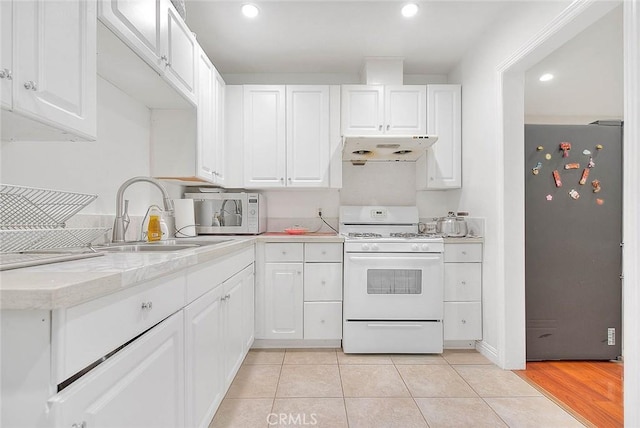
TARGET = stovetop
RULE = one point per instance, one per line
(396, 236)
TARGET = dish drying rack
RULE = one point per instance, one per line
(34, 219)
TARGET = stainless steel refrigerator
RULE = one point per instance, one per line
(573, 234)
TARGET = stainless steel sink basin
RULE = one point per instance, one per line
(161, 246)
(152, 248)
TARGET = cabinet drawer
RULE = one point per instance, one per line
(322, 281)
(323, 320)
(462, 282)
(458, 253)
(286, 252)
(84, 333)
(462, 321)
(323, 252)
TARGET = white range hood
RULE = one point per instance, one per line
(385, 148)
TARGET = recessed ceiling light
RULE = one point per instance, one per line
(546, 77)
(250, 10)
(409, 10)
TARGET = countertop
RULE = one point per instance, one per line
(465, 240)
(59, 285)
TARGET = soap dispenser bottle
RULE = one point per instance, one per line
(154, 232)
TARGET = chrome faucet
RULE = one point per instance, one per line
(118, 224)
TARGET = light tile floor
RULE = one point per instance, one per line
(329, 389)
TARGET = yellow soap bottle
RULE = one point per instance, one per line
(154, 232)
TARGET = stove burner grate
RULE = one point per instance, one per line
(364, 235)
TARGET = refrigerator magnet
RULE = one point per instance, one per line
(600, 201)
(549, 198)
(591, 163)
(586, 152)
(574, 194)
(585, 174)
(547, 156)
(540, 148)
(572, 166)
(595, 184)
(565, 147)
(556, 178)
(599, 147)
(536, 169)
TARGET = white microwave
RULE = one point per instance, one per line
(232, 213)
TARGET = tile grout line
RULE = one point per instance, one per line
(344, 399)
(275, 394)
(424, 418)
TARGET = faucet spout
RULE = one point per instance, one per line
(118, 225)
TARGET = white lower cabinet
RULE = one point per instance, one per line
(218, 335)
(302, 293)
(462, 292)
(283, 300)
(205, 383)
(141, 386)
(323, 320)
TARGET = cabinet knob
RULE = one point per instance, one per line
(164, 59)
(147, 305)
(323, 282)
(281, 179)
(321, 321)
(379, 127)
(388, 127)
(5, 73)
(30, 86)
(324, 253)
(464, 253)
(464, 321)
(82, 424)
(289, 179)
(463, 282)
(299, 273)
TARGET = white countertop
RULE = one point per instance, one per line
(59, 285)
(465, 240)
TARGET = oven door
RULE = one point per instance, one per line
(393, 286)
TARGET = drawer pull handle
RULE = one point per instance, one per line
(464, 321)
(82, 424)
(323, 282)
(463, 282)
(464, 253)
(321, 321)
(226, 297)
(147, 305)
(324, 252)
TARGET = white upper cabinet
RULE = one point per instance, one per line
(307, 136)
(219, 129)
(376, 110)
(441, 167)
(158, 35)
(362, 109)
(50, 68)
(179, 49)
(206, 132)
(6, 49)
(264, 136)
(286, 136)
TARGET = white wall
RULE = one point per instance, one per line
(120, 152)
(482, 147)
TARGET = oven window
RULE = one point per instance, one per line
(394, 281)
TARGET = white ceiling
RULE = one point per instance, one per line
(335, 36)
(588, 72)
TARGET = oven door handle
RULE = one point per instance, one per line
(394, 325)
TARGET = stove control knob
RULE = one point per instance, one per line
(425, 247)
(365, 247)
(374, 247)
(415, 247)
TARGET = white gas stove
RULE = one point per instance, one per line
(393, 282)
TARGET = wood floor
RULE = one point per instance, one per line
(592, 389)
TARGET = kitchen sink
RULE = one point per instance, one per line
(154, 247)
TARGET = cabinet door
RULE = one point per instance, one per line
(179, 48)
(307, 136)
(138, 24)
(233, 327)
(362, 109)
(248, 310)
(283, 301)
(405, 110)
(444, 159)
(462, 321)
(6, 50)
(55, 63)
(141, 385)
(219, 128)
(206, 139)
(205, 384)
(264, 136)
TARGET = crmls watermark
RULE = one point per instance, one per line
(293, 419)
